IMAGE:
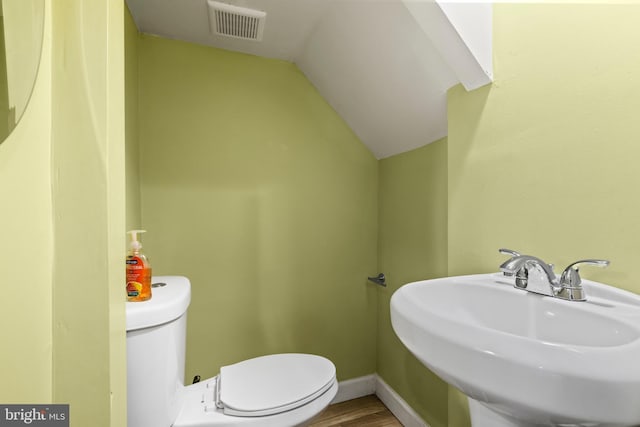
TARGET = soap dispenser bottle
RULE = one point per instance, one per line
(138, 271)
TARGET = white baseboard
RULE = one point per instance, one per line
(355, 388)
(373, 384)
(397, 405)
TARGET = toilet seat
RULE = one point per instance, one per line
(272, 384)
(266, 391)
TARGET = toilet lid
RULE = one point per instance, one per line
(272, 384)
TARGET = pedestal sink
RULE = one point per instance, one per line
(525, 359)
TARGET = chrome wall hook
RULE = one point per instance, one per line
(378, 280)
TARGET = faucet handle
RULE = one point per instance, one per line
(509, 252)
(571, 277)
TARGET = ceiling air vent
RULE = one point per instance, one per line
(234, 21)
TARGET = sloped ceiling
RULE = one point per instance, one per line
(384, 65)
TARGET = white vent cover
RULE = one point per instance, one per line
(234, 21)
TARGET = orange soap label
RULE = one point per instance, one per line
(138, 279)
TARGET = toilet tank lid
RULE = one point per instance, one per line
(168, 302)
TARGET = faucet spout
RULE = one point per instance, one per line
(516, 263)
(522, 266)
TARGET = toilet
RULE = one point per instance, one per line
(277, 390)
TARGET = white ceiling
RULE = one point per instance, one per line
(384, 65)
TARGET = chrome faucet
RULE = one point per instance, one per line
(534, 275)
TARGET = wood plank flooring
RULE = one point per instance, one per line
(366, 411)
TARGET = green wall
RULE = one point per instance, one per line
(256, 190)
(132, 145)
(22, 21)
(542, 161)
(62, 222)
(412, 246)
(26, 254)
(88, 195)
(546, 158)
(5, 111)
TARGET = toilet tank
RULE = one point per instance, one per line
(156, 342)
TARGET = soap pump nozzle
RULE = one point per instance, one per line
(135, 244)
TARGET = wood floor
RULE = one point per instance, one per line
(365, 411)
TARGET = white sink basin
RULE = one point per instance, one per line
(525, 359)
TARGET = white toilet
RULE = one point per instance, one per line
(278, 390)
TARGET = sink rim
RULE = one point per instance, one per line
(596, 306)
(492, 341)
(490, 366)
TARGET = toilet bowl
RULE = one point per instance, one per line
(277, 390)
